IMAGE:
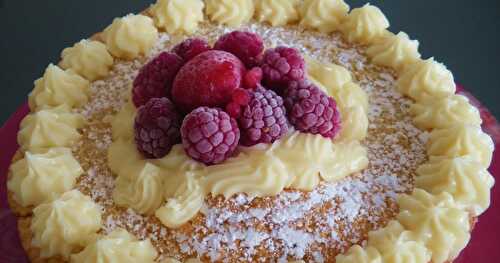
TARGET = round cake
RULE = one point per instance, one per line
(249, 131)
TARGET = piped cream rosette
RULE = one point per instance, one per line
(299, 161)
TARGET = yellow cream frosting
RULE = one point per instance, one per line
(365, 24)
(350, 95)
(143, 192)
(397, 245)
(123, 122)
(426, 79)
(58, 87)
(463, 177)
(43, 177)
(65, 225)
(230, 12)
(54, 127)
(354, 124)
(88, 58)
(357, 254)
(130, 36)
(117, 247)
(460, 140)
(276, 12)
(437, 221)
(395, 51)
(323, 15)
(178, 16)
(184, 206)
(443, 113)
(329, 76)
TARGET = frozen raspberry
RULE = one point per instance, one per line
(245, 45)
(252, 78)
(209, 80)
(157, 128)
(263, 120)
(209, 135)
(190, 48)
(282, 65)
(240, 98)
(155, 78)
(311, 110)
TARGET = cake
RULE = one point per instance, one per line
(249, 131)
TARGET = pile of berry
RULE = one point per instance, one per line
(213, 99)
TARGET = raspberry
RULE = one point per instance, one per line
(245, 45)
(155, 78)
(311, 110)
(209, 80)
(282, 65)
(233, 109)
(252, 78)
(157, 128)
(209, 135)
(190, 48)
(241, 97)
(263, 120)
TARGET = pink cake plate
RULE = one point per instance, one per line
(483, 247)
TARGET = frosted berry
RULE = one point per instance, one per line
(209, 79)
(282, 65)
(209, 135)
(190, 48)
(155, 79)
(245, 45)
(310, 110)
(252, 78)
(263, 120)
(157, 128)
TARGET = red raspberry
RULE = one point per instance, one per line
(157, 128)
(282, 65)
(311, 110)
(263, 120)
(190, 48)
(155, 78)
(245, 45)
(209, 80)
(240, 98)
(209, 135)
(252, 78)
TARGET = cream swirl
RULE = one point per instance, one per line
(463, 177)
(350, 95)
(58, 87)
(130, 36)
(54, 127)
(230, 12)
(143, 192)
(395, 51)
(117, 247)
(323, 15)
(123, 121)
(88, 58)
(365, 25)
(397, 245)
(460, 140)
(329, 76)
(276, 12)
(426, 80)
(436, 221)
(178, 16)
(184, 206)
(65, 225)
(354, 124)
(443, 113)
(43, 177)
(357, 254)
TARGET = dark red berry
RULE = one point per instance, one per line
(233, 109)
(263, 120)
(245, 45)
(209, 135)
(252, 78)
(155, 79)
(310, 110)
(209, 80)
(282, 65)
(241, 97)
(191, 48)
(157, 128)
